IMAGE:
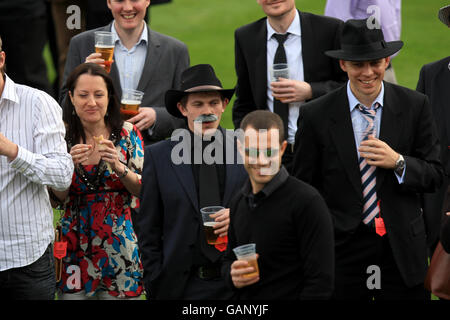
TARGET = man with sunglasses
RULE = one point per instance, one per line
(296, 260)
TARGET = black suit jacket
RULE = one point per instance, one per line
(169, 217)
(434, 81)
(326, 157)
(319, 34)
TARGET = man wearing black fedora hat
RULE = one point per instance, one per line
(434, 80)
(178, 181)
(371, 148)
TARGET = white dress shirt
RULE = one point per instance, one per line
(360, 123)
(293, 49)
(33, 120)
(130, 62)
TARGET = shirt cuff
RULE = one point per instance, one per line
(23, 160)
(401, 178)
(151, 128)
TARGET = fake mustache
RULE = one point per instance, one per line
(206, 118)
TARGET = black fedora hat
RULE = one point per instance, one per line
(444, 15)
(361, 41)
(199, 78)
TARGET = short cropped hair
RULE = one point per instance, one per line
(264, 119)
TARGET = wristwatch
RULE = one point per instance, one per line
(399, 165)
(124, 174)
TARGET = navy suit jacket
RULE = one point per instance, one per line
(169, 217)
(326, 157)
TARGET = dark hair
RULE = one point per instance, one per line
(184, 98)
(74, 128)
(264, 119)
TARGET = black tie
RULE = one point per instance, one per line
(280, 108)
(208, 189)
(209, 195)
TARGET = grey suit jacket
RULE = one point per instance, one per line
(166, 59)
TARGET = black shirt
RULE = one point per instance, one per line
(291, 226)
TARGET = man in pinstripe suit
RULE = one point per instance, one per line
(33, 155)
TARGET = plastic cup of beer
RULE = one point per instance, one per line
(104, 44)
(279, 70)
(247, 252)
(208, 223)
(130, 103)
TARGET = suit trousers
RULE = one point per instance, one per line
(366, 270)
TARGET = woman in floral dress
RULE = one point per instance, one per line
(97, 226)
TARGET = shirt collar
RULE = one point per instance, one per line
(143, 37)
(294, 28)
(353, 101)
(270, 187)
(9, 91)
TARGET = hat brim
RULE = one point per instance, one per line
(444, 15)
(172, 98)
(391, 48)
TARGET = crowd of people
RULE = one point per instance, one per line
(331, 171)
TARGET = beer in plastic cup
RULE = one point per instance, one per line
(247, 252)
(130, 103)
(208, 223)
(104, 44)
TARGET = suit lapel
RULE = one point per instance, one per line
(308, 49)
(341, 130)
(185, 175)
(443, 94)
(391, 125)
(259, 48)
(151, 60)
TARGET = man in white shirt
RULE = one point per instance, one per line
(33, 155)
(312, 74)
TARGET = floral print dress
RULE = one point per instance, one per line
(97, 225)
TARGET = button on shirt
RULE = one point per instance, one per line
(130, 62)
(33, 120)
(293, 48)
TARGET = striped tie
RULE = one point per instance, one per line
(368, 172)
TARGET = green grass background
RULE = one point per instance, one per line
(207, 27)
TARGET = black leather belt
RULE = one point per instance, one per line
(207, 272)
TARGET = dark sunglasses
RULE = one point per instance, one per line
(255, 152)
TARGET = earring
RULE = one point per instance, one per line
(73, 112)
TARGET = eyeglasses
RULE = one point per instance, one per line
(255, 152)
